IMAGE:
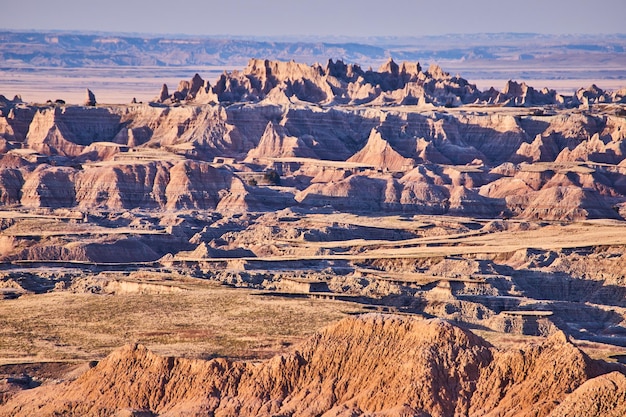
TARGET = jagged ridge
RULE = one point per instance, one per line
(373, 364)
(159, 156)
(340, 83)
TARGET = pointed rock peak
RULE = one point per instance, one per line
(375, 136)
(271, 128)
(538, 140)
(195, 85)
(412, 68)
(164, 94)
(595, 139)
(336, 69)
(90, 98)
(437, 73)
(201, 251)
(259, 67)
(389, 67)
(595, 89)
(356, 70)
(379, 152)
(512, 88)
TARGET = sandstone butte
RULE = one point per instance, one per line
(378, 365)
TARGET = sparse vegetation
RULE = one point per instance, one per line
(272, 177)
(206, 321)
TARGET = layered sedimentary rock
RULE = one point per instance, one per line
(49, 187)
(277, 143)
(378, 153)
(123, 186)
(339, 83)
(257, 166)
(284, 116)
(195, 185)
(66, 131)
(373, 364)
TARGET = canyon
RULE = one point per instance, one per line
(470, 242)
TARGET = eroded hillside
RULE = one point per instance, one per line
(374, 365)
(398, 190)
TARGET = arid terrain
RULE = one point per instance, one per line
(53, 65)
(307, 240)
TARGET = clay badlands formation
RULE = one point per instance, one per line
(404, 191)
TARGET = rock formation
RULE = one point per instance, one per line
(336, 83)
(276, 143)
(339, 175)
(90, 99)
(392, 83)
(196, 90)
(580, 152)
(605, 395)
(378, 153)
(163, 95)
(374, 364)
(154, 167)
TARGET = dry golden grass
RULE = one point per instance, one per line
(556, 236)
(549, 237)
(205, 321)
(564, 168)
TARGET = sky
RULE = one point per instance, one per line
(271, 18)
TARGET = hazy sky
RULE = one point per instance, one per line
(318, 17)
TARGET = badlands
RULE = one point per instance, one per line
(315, 240)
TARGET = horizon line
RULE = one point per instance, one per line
(305, 36)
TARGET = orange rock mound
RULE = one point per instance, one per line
(368, 365)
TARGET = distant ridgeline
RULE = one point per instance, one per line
(75, 50)
(80, 49)
(348, 84)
